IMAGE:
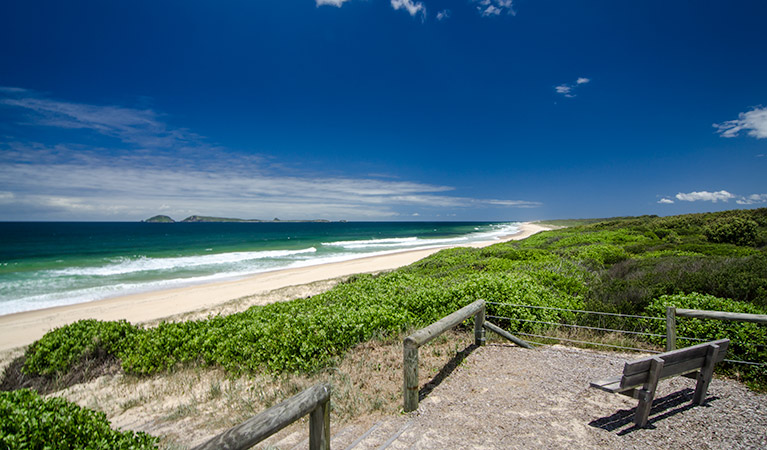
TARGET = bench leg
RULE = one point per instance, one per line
(705, 375)
(647, 393)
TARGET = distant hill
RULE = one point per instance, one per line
(208, 219)
(159, 219)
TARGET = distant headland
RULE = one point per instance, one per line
(197, 219)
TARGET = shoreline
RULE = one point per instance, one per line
(23, 328)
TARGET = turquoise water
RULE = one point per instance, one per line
(44, 264)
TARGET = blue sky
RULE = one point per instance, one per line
(381, 109)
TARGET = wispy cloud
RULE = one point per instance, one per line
(413, 8)
(567, 89)
(753, 199)
(162, 168)
(754, 122)
(337, 3)
(488, 8)
(113, 188)
(143, 127)
(443, 15)
(666, 201)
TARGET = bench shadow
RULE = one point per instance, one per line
(446, 370)
(662, 408)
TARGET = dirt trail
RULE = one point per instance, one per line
(507, 397)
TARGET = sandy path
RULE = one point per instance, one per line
(507, 397)
(20, 329)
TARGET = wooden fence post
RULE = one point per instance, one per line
(319, 427)
(479, 329)
(411, 343)
(410, 367)
(670, 328)
(314, 401)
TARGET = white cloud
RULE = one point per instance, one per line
(411, 7)
(337, 3)
(666, 201)
(443, 15)
(100, 185)
(567, 89)
(135, 126)
(513, 203)
(564, 89)
(752, 199)
(174, 171)
(705, 196)
(489, 8)
(754, 122)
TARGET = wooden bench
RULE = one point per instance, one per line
(640, 378)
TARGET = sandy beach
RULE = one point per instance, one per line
(21, 329)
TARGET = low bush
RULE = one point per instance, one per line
(58, 350)
(30, 421)
(618, 265)
(733, 230)
(748, 341)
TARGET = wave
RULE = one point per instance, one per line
(386, 241)
(496, 232)
(395, 242)
(121, 266)
(22, 290)
(88, 294)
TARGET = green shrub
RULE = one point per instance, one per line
(748, 341)
(58, 350)
(32, 422)
(735, 230)
(619, 265)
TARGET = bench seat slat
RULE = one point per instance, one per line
(612, 384)
(677, 362)
(669, 358)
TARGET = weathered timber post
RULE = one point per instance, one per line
(479, 329)
(410, 362)
(411, 344)
(314, 401)
(319, 427)
(503, 333)
(670, 328)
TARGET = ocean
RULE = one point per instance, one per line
(45, 264)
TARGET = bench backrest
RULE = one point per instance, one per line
(675, 362)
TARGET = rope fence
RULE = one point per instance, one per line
(637, 326)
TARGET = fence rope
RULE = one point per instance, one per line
(578, 310)
(579, 326)
(734, 361)
(585, 342)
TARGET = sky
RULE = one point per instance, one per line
(486, 110)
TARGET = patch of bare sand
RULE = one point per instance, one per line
(189, 406)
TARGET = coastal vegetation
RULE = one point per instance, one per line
(159, 219)
(627, 265)
(33, 422)
(632, 265)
